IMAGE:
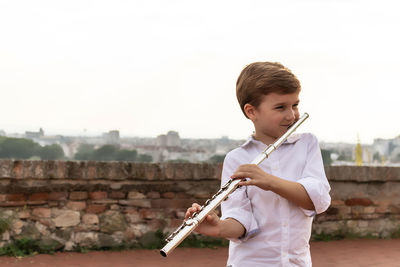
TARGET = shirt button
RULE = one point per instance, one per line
(285, 224)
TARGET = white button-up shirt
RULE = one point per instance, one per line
(277, 231)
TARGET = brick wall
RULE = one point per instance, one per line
(104, 204)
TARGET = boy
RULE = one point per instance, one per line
(268, 219)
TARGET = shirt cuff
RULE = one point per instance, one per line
(318, 193)
(246, 219)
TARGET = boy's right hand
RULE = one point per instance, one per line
(209, 226)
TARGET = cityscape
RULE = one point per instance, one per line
(170, 147)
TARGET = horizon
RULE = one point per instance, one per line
(99, 134)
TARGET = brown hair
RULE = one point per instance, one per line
(262, 78)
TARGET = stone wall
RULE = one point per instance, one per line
(106, 204)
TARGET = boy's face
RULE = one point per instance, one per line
(274, 115)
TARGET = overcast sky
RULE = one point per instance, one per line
(147, 67)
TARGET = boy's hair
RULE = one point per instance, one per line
(262, 78)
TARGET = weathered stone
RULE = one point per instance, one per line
(96, 208)
(97, 195)
(86, 239)
(115, 207)
(111, 222)
(67, 218)
(149, 239)
(143, 203)
(153, 194)
(337, 202)
(117, 195)
(5, 236)
(78, 195)
(38, 196)
(42, 229)
(16, 197)
(58, 196)
(358, 202)
(133, 217)
(136, 195)
(156, 224)
(63, 233)
(168, 195)
(49, 244)
(369, 210)
(90, 219)
(29, 231)
(42, 212)
(107, 241)
(105, 201)
(148, 214)
(16, 226)
(24, 214)
(76, 205)
(69, 246)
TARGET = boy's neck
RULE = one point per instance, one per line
(263, 138)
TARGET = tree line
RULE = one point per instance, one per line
(110, 153)
(22, 148)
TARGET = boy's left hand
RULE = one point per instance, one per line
(257, 176)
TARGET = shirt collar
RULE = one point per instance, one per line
(293, 138)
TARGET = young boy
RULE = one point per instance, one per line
(268, 219)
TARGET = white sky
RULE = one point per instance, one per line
(147, 67)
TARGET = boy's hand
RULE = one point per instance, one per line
(209, 226)
(257, 176)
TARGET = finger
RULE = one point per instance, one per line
(241, 174)
(195, 205)
(247, 182)
(246, 167)
(190, 211)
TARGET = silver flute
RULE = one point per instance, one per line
(190, 224)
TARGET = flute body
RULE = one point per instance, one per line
(189, 225)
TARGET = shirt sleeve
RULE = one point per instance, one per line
(314, 179)
(238, 205)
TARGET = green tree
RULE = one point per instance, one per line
(51, 152)
(377, 156)
(105, 153)
(326, 157)
(178, 161)
(144, 158)
(344, 157)
(18, 148)
(84, 152)
(126, 155)
(2, 139)
(217, 159)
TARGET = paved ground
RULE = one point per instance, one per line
(344, 253)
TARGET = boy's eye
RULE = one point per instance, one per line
(279, 107)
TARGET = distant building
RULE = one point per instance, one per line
(112, 137)
(2, 133)
(170, 139)
(389, 148)
(34, 135)
(162, 140)
(173, 139)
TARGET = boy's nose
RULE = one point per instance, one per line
(292, 115)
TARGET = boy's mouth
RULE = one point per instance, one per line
(288, 125)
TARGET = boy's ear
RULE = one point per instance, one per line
(250, 111)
